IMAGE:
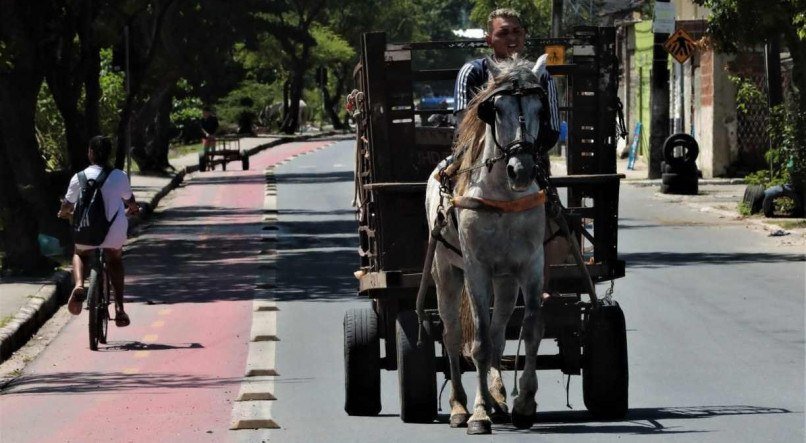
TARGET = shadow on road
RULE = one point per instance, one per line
(639, 421)
(657, 259)
(95, 382)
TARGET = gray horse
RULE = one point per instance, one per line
(499, 228)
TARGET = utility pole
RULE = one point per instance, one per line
(659, 94)
(556, 18)
(772, 52)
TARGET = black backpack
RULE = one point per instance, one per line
(90, 225)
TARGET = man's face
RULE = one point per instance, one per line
(506, 37)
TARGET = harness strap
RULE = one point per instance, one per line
(481, 204)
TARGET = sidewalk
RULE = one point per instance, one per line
(26, 304)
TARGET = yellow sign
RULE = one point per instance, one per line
(680, 45)
(556, 55)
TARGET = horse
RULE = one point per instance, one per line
(498, 225)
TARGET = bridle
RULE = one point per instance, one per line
(486, 112)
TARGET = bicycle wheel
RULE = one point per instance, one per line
(94, 304)
(103, 308)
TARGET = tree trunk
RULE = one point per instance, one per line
(332, 103)
(152, 125)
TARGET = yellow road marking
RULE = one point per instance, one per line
(150, 338)
(158, 324)
(165, 311)
(130, 371)
(141, 354)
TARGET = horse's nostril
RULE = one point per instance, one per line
(511, 172)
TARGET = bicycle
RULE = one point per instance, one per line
(98, 299)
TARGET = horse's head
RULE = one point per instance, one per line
(512, 108)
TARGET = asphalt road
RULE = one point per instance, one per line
(715, 318)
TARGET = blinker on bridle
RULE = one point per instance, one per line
(486, 113)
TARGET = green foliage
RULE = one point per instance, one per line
(744, 209)
(50, 130)
(330, 47)
(736, 24)
(249, 97)
(113, 93)
(747, 94)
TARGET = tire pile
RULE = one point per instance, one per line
(679, 170)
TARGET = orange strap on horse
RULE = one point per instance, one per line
(522, 204)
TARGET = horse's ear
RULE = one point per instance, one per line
(540, 66)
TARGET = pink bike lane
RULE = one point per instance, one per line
(174, 373)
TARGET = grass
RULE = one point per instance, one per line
(4, 321)
(791, 224)
(176, 151)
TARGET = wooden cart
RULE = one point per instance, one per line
(395, 154)
(227, 148)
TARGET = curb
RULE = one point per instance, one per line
(705, 181)
(41, 307)
(35, 313)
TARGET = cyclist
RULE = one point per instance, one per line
(118, 198)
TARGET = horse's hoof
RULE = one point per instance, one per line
(521, 421)
(500, 417)
(459, 420)
(479, 427)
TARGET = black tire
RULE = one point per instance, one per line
(684, 169)
(362, 362)
(690, 188)
(202, 162)
(93, 296)
(772, 194)
(416, 371)
(690, 150)
(605, 375)
(245, 162)
(754, 198)
(103, 311)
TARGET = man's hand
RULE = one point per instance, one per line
(132, 208)
(66, 210)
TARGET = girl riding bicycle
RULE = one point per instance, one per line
(119, 202)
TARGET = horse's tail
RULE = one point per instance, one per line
(466, 321)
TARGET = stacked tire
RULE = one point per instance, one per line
(679, 168)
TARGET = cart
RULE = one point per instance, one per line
(227, 148)
(395, 153)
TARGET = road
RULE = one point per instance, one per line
(715, 317)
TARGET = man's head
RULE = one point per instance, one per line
(99, 150)
(505, 35)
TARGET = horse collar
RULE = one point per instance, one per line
(518, 205)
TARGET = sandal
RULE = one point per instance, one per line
(76, 301)
(122, 319)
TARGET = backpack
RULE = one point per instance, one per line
(90, 225)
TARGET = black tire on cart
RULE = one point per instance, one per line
(416, 371)
(605, 376)
(202, 162)
(362, 362)
(245, 161)
(224, 161)
(689, 146)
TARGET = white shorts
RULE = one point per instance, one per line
(116, 236)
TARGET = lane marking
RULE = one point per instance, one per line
(165, 311)
(131, 371)
(158, 324)
(141, 354)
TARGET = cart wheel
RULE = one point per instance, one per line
(245, 162)
(224, 163)
(605, 376)
(362, 362)
(202, 162)
(416, 371)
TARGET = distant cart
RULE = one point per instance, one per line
(227, 148)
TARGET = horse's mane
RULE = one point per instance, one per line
(470, 140)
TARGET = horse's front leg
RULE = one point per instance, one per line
(479, 287)
(449, 284)
(524, 407)
(506, 295)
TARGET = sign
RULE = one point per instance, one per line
(556, 54)
(680, 45)
(663, 22)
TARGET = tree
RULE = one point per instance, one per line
(332, 54)
(738, 24)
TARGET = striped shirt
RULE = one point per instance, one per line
(473, 77)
